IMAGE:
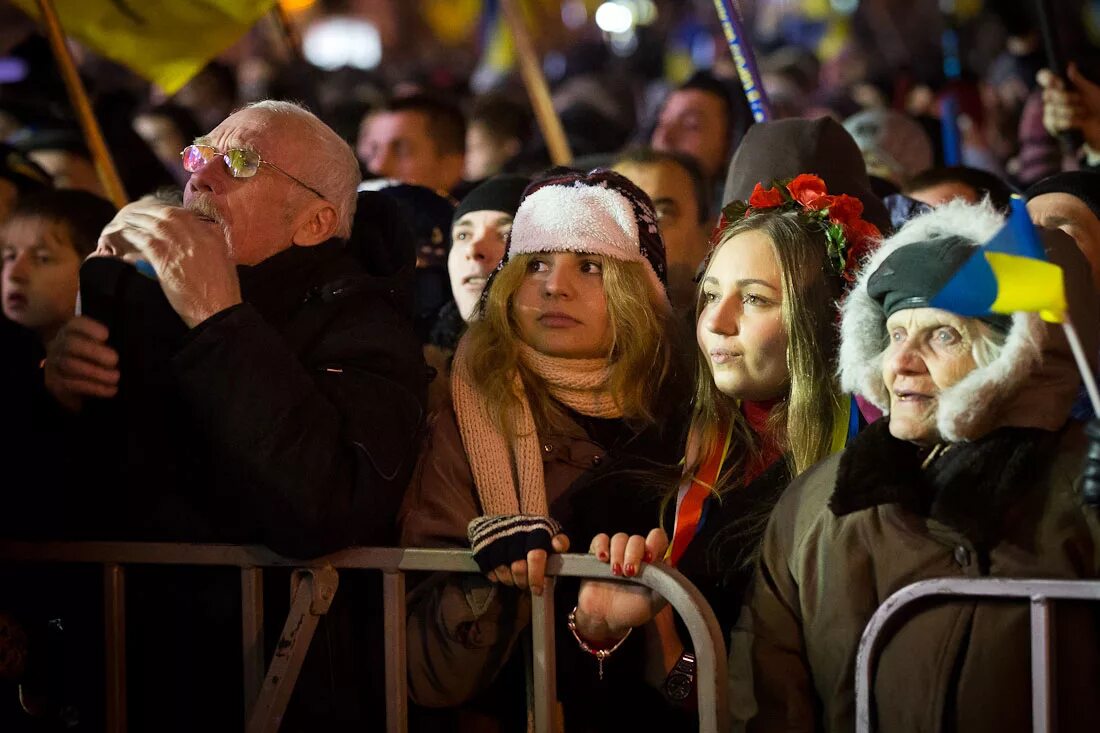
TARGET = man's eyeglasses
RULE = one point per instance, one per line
(241, 163)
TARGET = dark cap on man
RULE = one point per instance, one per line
(1084, 185)
(499, 193)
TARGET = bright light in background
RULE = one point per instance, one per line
(296, 6)
(624, 44)
(645, 11)
(13, 69)
(703, 50)
(341, 41)
(614, 18)
(574, 14)
(844, 7)
(554, 65)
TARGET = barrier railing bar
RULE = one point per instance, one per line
(314, 589)
(397, 695)
(252, 633)
(543, 658)
(1042, 666)
(688, 601)
(1037, 590)
(684, 597)
(114, 617)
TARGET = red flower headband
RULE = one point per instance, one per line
(848, 237)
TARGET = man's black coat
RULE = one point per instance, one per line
(290, 420)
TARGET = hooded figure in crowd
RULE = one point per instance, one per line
(785, 148)
(973, 472)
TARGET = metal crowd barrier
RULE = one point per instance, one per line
(1039, 592)
(315, 585)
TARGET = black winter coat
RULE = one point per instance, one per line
(291, 420)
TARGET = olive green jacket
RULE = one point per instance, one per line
(870, 521)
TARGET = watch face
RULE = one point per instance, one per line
(678, 686)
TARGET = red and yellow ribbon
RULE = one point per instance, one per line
(692, 499)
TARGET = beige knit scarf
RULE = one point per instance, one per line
(498, 463)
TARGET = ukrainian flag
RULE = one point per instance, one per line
(1009, 273)
(165, 41)
(498, 48)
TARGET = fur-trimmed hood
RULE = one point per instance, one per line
(1034, 380)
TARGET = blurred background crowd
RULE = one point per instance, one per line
(945, 99)
(610, 65)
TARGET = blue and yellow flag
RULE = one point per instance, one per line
(1009, 273)
(165, 41)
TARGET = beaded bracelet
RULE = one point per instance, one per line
(599, 654)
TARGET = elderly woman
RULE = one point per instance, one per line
(972, 473)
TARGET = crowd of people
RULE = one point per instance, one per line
(707, 342)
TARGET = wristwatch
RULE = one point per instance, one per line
(681, 680)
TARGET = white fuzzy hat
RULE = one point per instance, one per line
(599, 213)
(1033, 381)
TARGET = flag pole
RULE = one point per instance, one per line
(1082, 364)
(537, 90)
(287, 31)
(745, 60)
(101, 156)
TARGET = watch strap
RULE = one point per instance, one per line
(680, 682)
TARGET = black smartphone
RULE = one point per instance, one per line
(142, 327)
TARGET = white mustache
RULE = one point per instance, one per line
(204, 208)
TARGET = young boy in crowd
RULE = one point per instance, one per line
(42, 245)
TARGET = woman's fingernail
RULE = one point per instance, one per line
(648, 556)
(602, 556)
(616, 569)
(629, 570)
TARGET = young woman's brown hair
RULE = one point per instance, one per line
(639, 358)
(804, 419)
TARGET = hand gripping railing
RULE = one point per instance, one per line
(316, 583)
(1040, 593)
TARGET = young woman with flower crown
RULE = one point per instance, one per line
(767, 407)
(564, 389)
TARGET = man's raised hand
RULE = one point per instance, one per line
(189, 255)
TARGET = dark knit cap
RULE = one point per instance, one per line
(499, 193)
(1084, 185)
(782, 149)
(429, 215)
(912, 275)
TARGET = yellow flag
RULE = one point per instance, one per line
(1027, 284)
(452, 21)
(165, 41)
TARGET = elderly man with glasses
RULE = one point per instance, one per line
(272, 388)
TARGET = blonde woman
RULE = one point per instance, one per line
(563, 389)
(767, 407)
